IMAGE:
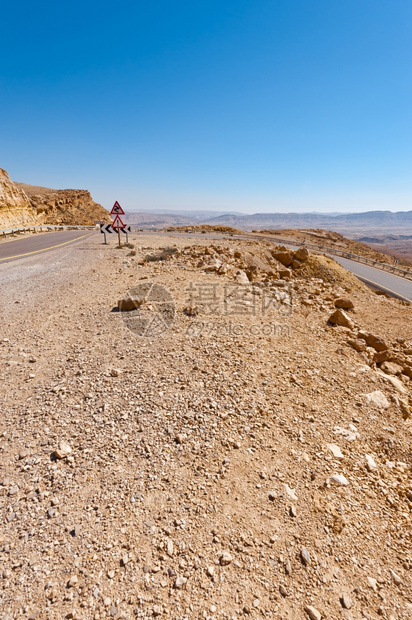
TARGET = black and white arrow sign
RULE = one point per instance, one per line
(107, 228)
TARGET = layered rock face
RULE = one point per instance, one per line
(64, 206)
(15, 207)
(30, 205)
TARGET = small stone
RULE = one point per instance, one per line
(346, 601)
(305, 556)
(256, 603)
(340, 479)
(292, 511)
(313, 613)
(73, 581)
(157, 610)
(283, 591)
(396, 579)
(370, 463)
(180, 582)
(115, 372)
(111, 574)
(170, 547)
(378, 399)
(113, 611)
(51, 513)
(106, 602)
(210, 571)
(63, 450)
(372, 583)
(290, 493)
(336, 451)
(77, 529)
(272, 496)
(212, 609)
(225, 558)
(288, 567)
(13, 490)
(180, 438)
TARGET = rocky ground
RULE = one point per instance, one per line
(220, 450)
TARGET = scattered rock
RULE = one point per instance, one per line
(378, 399)
(63, 450)
(346, 601)
(225, 559)
(336, 451)
(339, 317)
(344, 303)
(313, 613)
(302, 254)
(290, 493)
(180, 582)
(305, 556)
(339, 479)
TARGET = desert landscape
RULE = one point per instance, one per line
(217, 436)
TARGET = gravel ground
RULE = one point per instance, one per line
(238, 459)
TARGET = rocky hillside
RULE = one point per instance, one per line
(64, 206)
(15, 207)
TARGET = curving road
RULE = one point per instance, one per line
(41, 242)
(388, 282)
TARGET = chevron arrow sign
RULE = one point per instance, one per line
(106, 228)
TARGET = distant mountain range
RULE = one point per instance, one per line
(370, 221)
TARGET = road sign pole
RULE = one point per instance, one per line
(118, 232)
(105, 241)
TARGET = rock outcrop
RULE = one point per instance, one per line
(30, 205)
(15, 207)
(64, 206)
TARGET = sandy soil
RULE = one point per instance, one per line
(227, 463)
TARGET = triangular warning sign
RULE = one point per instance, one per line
(117, 209)
(117, 223)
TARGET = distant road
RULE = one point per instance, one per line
(38, 243)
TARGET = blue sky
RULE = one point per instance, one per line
(260, 105)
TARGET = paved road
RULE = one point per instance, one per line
(40, 242)
(382, 280)
(394, 285)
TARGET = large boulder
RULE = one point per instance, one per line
(283, 256)
(373, 341)
(302, 254)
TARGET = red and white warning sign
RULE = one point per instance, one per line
(117, 223)
(117, 209)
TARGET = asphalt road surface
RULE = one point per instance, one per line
(39, 243)
(381, 280)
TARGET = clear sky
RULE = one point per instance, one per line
(243, 105)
